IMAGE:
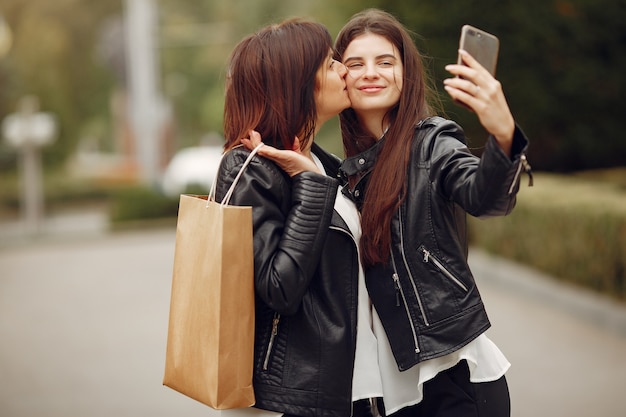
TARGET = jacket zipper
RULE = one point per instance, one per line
(525, 166)
(270, 345)
(400, 295)
(408, 271)
(429, 257)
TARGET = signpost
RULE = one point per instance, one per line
(29, 130)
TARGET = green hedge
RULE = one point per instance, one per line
(134, 205)
(571, 227)
(59, 192)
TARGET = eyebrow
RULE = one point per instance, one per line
(354, 58)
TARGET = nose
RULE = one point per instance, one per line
(369, 71)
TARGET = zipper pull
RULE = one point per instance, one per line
(527, 169)
(426, 254)
(523, 165)
(396, 285)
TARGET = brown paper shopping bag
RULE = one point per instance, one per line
(210, 343)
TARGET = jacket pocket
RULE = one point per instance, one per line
(429, 257)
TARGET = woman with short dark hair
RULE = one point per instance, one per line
(283, 83)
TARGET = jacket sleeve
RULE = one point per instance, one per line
(291, 217)
(485, 186)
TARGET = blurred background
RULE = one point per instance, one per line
(110, 109)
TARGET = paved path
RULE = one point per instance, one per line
(83, 326)
(567, 348)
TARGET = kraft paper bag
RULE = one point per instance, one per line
(245, 412)
(210, 343)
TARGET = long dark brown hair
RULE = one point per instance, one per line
(271, 81)
(386, 188)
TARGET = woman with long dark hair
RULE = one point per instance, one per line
(414, 180)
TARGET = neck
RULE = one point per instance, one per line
(373, 122)
(306, 151)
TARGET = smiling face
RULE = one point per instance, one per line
(374, 78)
(331, 96)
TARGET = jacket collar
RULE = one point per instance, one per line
(362, 162)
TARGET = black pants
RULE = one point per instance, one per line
(451, 394)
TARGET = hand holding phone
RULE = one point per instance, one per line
(483, 46)
(480, 92)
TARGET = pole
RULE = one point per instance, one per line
(32, 189)
(140, 29)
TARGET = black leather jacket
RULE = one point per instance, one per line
(306, 276)
(426, 296)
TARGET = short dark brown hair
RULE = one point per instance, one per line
(271, 83)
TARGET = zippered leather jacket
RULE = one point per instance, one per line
(426, 296)
(306, 277)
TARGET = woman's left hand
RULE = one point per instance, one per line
(477, 89)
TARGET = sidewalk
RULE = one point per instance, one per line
(525, 281)
(84, 311)
(566, 345)
(581, 303)
(69, 224)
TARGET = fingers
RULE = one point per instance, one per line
(255, 138)
(250, 145)
(472, 70)
(292, 162)
(266, 150)
(474, 87)
(468, 59)
(247, 143)
(466, 86)
(253, 141)
(466, 92)
(470, 64)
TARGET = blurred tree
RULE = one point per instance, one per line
(197, 39)
(53, 58)
(561, 65)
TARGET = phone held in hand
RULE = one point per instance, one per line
(483, 46)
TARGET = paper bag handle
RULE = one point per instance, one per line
(230, 191)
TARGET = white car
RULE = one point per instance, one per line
(191, 167)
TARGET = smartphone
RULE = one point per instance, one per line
(483, 46)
